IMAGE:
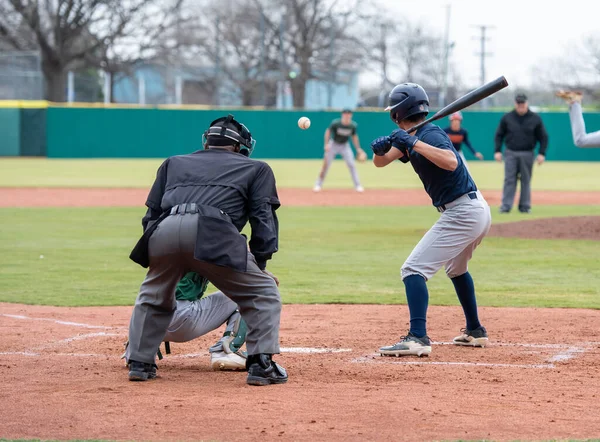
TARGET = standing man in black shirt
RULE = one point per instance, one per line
(520, 130)
(197, 207)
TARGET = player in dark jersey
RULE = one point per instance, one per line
(337, 138)
(458, 136)
(464, 221)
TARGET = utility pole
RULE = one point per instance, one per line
(444, 94)
(330, 64)
(383, 49)
(263, 87)
(217, 96)
(483, 54)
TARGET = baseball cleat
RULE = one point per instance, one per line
(262, 370)
(409, 345)
(220, 360)
(140, 371)
(472, 338)
(360, 189)
(317, 188)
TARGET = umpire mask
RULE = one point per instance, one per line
(224, 130)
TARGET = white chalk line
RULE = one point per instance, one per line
(311, 350)
(375, 359)
(66, 341)
(517, 344)
(36, 351)
(56, 321)
(569, 352)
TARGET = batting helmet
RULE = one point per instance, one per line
(456, 116)
(406, 100)
(224, 130)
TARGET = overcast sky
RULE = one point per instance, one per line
(524, 31)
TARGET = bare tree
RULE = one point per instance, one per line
(232, 45)
(579, 70)
(316, 39)
(402, 51)
(69, 32)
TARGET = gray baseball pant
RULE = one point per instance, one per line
(517, 165)
(580, 137)
(171, 250)
(193, 319)
(452, 239)
(345, 151)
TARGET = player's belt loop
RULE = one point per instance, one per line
(444, 207)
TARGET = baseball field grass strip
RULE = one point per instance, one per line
(39, 172)
(79, 257)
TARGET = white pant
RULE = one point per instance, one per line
(452, 239)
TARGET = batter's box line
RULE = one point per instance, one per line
(376, 359)
(56, 321)
(35, 351)
(567, 352)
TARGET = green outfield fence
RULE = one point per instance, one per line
(120, 131)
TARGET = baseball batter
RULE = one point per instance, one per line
(197, 315)
(464, 221)
(458, 135)
(336, 143)
(580, 137)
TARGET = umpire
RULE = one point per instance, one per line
(197, 207)
(521, 129)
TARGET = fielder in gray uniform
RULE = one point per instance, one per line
(336, 143)
(197, 208)
(197, 315)
(464, 221)
(580, 137)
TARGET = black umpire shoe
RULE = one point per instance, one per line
(262, 370)
(140, 371)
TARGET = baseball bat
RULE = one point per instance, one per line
(465, 101)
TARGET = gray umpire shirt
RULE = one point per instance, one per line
(241, 188)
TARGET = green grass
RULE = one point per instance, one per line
(289, 173)
(327, 255)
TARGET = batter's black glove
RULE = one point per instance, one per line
(380, 146)
(401, 139)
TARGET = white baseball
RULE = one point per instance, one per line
(304, 123)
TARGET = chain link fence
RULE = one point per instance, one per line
(21, 76)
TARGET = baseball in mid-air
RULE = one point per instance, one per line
(304, 123)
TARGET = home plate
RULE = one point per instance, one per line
(305, 350)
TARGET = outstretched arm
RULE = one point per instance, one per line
(580, 137)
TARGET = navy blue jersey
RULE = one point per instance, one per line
(441, 185)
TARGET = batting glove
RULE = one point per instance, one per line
(381, 145)
(403, 140)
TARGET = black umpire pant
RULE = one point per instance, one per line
(518, 165)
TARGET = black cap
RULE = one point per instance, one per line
(521, 98)
(347, 111)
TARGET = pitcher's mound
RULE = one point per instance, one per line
(571, 227)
